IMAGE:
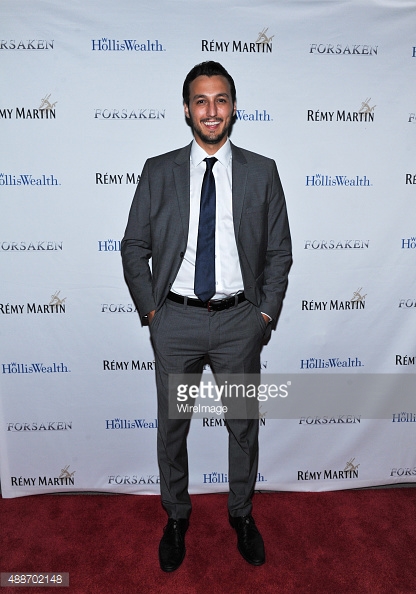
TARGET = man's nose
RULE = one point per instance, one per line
(212, 108)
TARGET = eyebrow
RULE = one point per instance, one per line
(201, 96)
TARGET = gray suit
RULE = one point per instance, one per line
(182, 336)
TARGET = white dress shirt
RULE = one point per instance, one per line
(228, 278)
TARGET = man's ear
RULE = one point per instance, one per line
(186, 110)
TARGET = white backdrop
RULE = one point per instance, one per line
(90, 89)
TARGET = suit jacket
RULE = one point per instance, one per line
(158, 224)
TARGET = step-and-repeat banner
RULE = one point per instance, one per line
(90, 90)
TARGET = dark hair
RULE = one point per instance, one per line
(207, 69)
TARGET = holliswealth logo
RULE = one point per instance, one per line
(106, 44)
(45, 111)
(409, 243)
(256, 115)
(222, 477)
(262, 44)
(39, 368)
(109, 245)
(330, 363)
(323, 180)
(131, 424)
(27, 179)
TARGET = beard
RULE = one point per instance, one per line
(209, 138)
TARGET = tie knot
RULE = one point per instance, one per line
(210, 161)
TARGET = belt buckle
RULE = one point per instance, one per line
(214, 305)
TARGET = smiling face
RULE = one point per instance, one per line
(210, 111)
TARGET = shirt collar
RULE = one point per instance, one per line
(223, 154)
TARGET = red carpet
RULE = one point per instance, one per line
(337, 542)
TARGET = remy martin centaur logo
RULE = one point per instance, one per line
(45, 111)
(263, 38)
(365, 106)
(262, 45)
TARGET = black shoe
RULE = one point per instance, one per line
(249, 541)
(172, 546)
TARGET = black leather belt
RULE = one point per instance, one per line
(212, 305)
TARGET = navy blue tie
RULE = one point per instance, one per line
(204, 286)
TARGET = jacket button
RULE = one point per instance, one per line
(181, 254)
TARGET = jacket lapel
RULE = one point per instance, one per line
(181, 174)
(239, 177)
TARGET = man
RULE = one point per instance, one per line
(218, 236)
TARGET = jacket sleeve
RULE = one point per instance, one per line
(136, 247)
(278, 257)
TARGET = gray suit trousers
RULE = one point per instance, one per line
(183, 337)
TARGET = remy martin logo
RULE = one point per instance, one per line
(262, 45)
(357, 301)
(64, 479)
(350, 472)
(45, 111)
(364, 114)
(55, 305)
(212, 422)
